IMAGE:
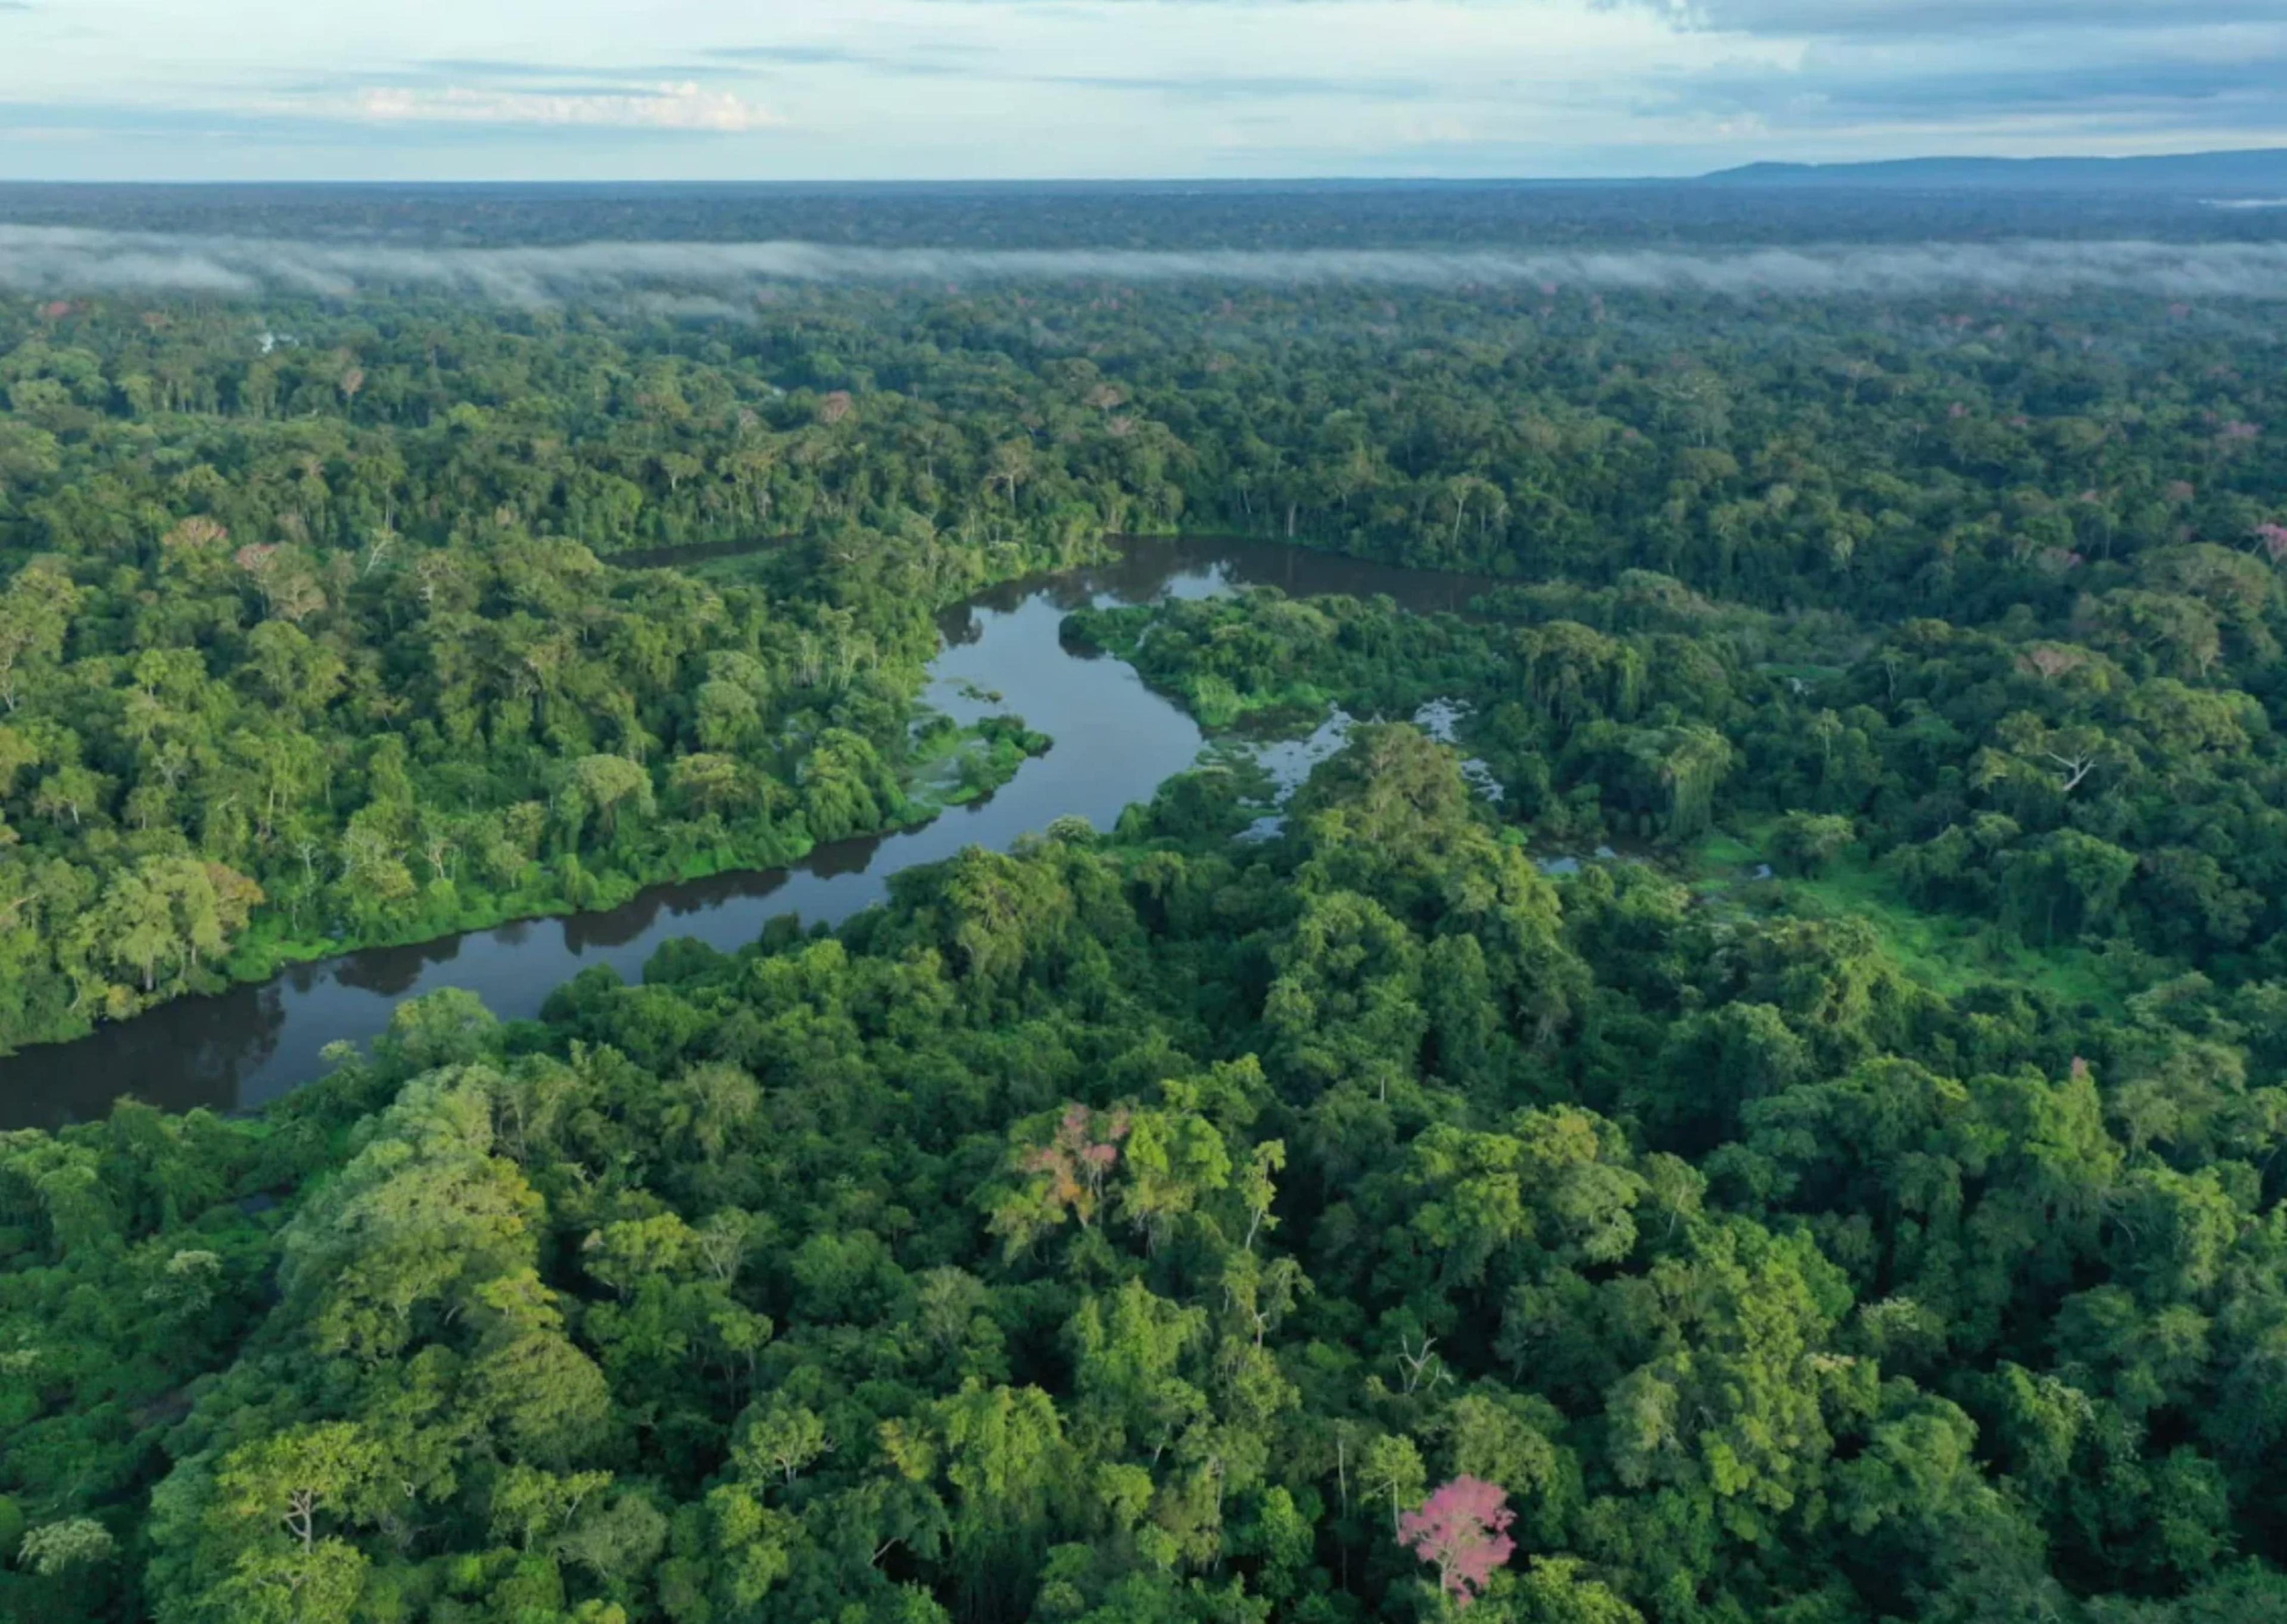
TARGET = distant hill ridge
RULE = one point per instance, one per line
(2222, 173)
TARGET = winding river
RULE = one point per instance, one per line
(1116, 741)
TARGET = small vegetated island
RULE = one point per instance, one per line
(1856, 1197)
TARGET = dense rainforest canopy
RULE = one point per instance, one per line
(1138, 1227)
(312, 638)
(1860, 1201)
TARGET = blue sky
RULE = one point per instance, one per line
(889, 88)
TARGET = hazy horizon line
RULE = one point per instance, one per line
(1797, 166)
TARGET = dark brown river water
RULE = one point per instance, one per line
(1116, 741)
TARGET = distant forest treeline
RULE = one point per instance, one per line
(1714, 211)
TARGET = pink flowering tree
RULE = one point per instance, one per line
(1463, 1531)
(2272, 538)
(1064, 1179)
(1075, 1163)
(2236, 434)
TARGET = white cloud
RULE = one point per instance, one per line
(1006, 89)
(666, 107)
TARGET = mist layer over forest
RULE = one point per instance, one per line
(67, 260)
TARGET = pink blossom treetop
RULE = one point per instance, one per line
(2273, 539)
(1078, 1161)
(1463, 1529)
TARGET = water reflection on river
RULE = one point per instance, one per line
(1115, 742)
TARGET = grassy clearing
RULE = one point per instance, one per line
(1949, 953)
(1722, 849)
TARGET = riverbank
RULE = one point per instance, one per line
(978, 759)
(952, 769)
